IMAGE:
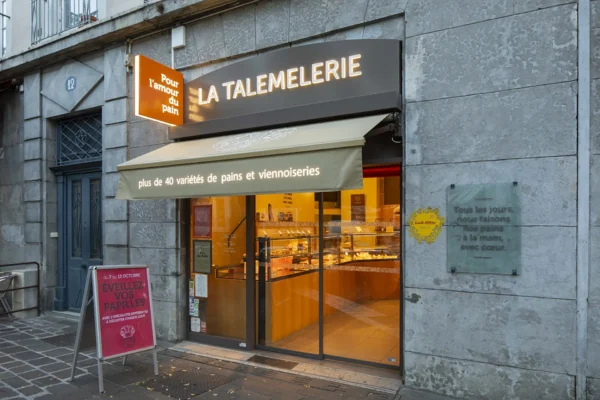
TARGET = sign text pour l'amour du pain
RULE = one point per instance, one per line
(291, 78)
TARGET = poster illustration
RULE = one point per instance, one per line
(194, 307)
(195, 324)
(124, 310)
(191, 288)
(201, 285)
(203, 221)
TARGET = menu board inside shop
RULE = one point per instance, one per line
(484, 229)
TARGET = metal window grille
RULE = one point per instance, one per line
(4, 26)
(79, 140)
(52, 17)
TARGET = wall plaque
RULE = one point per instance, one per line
(203, 221)
(484, 229)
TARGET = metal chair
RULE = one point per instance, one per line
(5, 282)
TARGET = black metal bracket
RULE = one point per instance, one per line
(233, 231)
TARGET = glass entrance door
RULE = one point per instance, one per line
(346, 306)
(288, 272)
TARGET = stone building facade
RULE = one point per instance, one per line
(492, 92)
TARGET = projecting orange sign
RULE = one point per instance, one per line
(158, 92)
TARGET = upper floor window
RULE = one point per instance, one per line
(4, 25)
(51, 17)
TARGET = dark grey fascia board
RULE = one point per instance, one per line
(141, 21)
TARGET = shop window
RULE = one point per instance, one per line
(361, 276)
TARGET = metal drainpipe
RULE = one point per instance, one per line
(583, 194)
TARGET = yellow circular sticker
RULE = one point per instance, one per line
(425, 225)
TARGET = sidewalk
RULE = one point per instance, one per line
(36, 356)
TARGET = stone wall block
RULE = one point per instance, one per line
(32, 191)
(32, 129)
(115, 255)
(112, 158)
(595, 43)
(160, 261)
(12, 160)
(272, 23)
(114, 136)
(50, 109)
(31, 90)
(388, 29)
(593, 389)
(163, 210)
(33, 149)
(115, 73)
(344, 13)
(12, 234)
(164, 287)
(522, 6)
(595, 117)
(157, 47)
(523, 332)
(115, 233)
(239, 31)
(594, 340)
(11, 204)
(521, 123)
(153, 235)
(33, 232)
(33, 212)
(114, 112)
(110, 183)
(528, 49)
(547, 186)
(384, 8)
(595, 4)
(147, 133)
(32, 170)
(595, 190)
(94, 98)
(166, 326)
(135, 152)
(594, 293)
(114, 209)
(548, 266)
(429, 15)
(205, 41)
(472, 380)
(307, 18)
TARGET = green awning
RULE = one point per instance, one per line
(309, 158)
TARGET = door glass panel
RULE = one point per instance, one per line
(361, 277)
(217, 291)
(95, 219)
(76, 222)
(288, 259)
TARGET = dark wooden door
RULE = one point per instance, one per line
(84, 232)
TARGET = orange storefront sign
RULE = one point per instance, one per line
(158, 92)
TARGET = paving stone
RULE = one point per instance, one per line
(22, 369)
(54, 367)
(5, 359)
(66, 373)
(41, 361)
(45, 381)
(57, 352)
(13, 349)
(26, 355)
(35, 374)
(13, 364)
(15, 382)
(17, 337)
(6, 375)
(30, 390)
(6, 393)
